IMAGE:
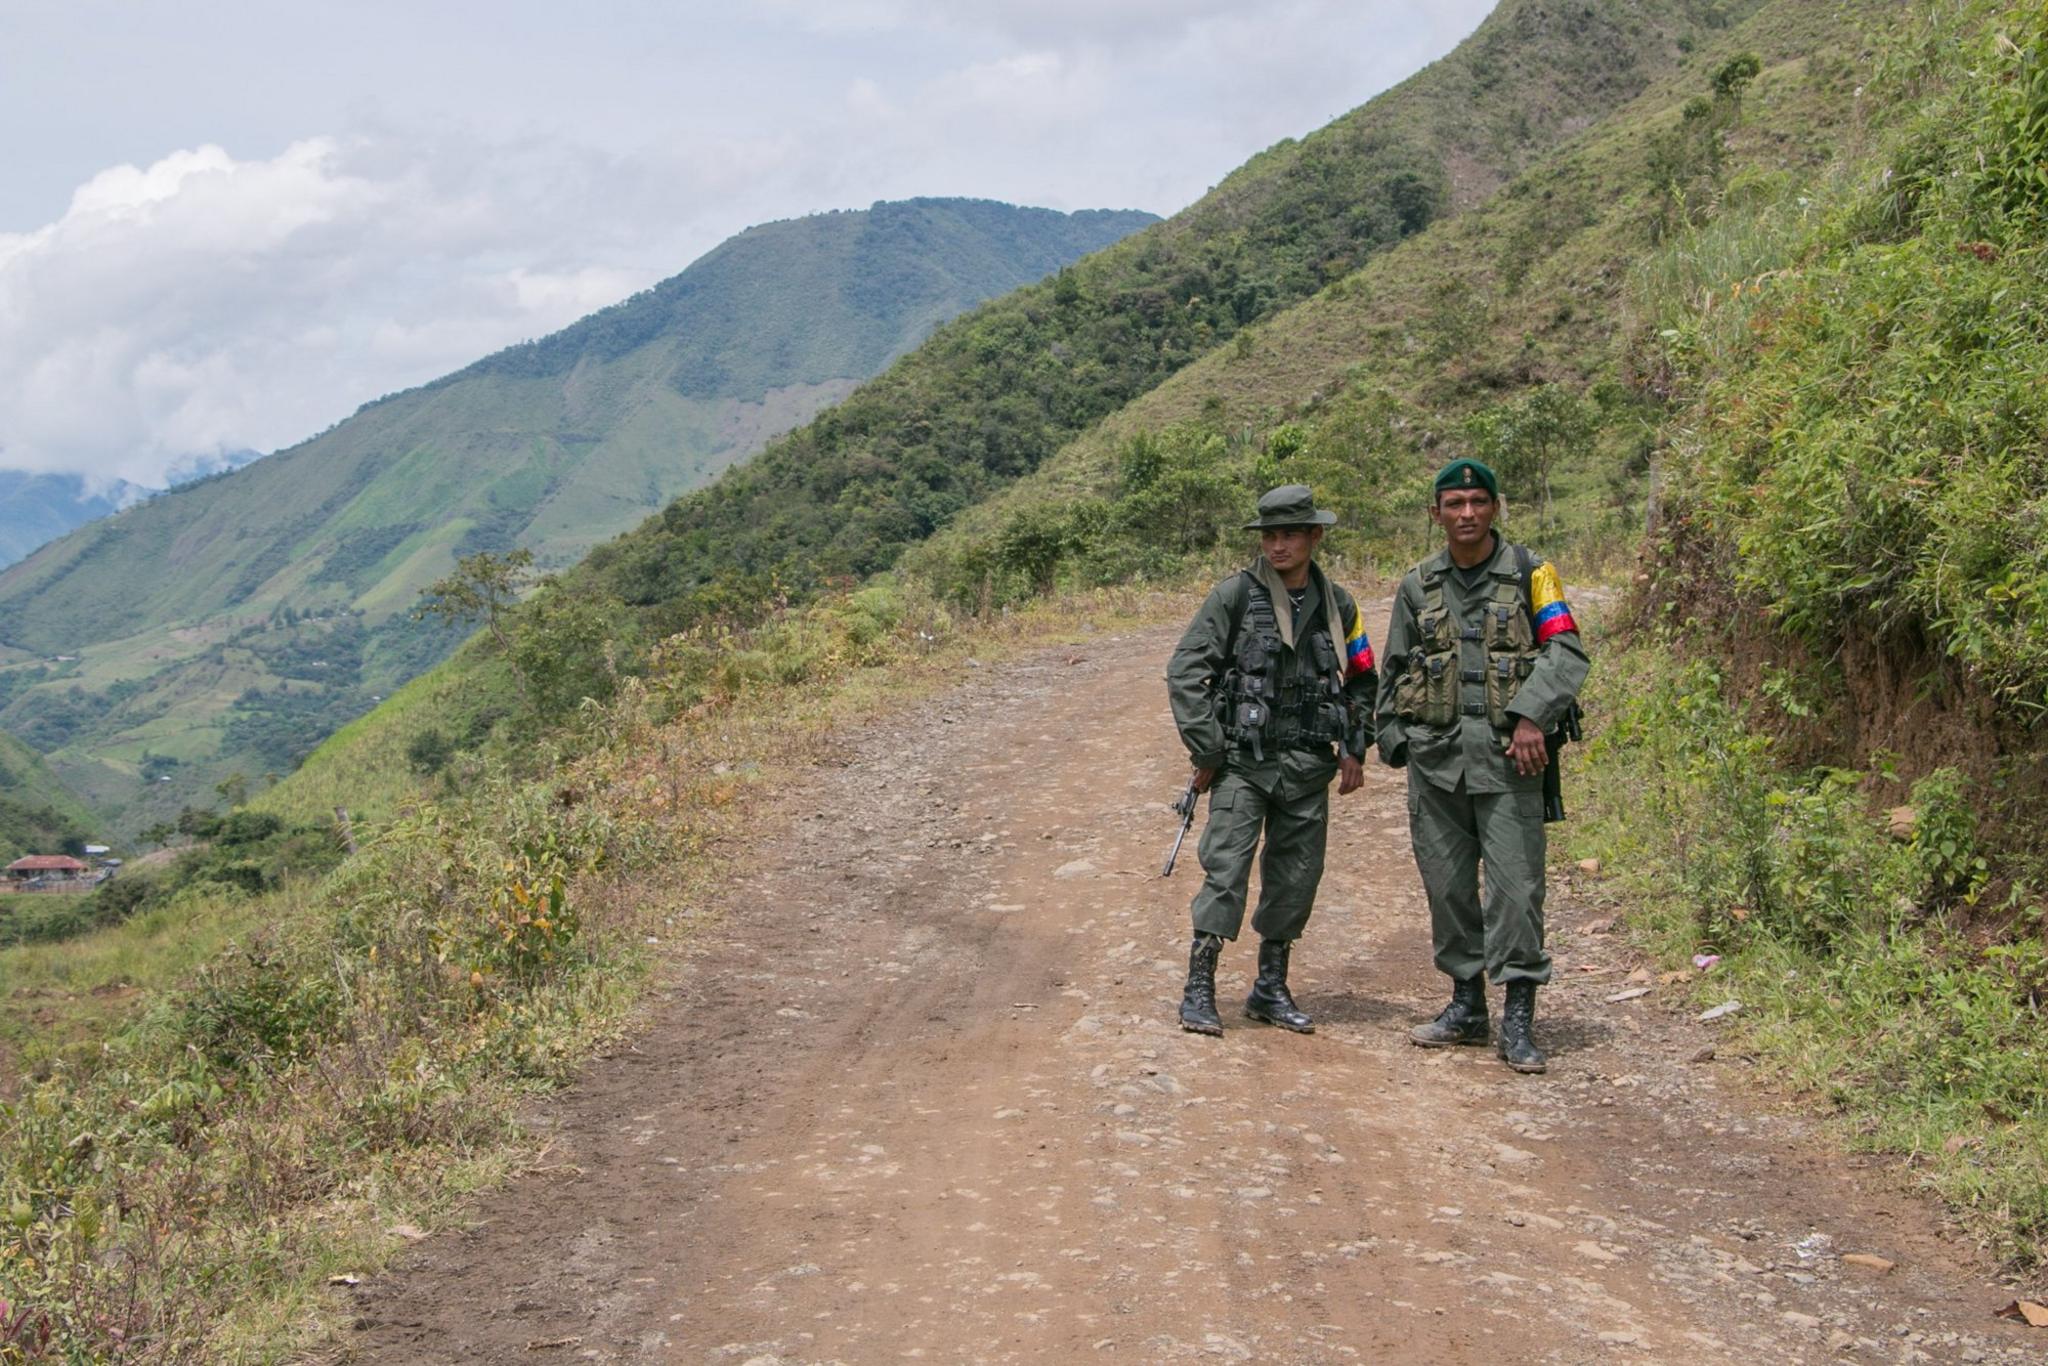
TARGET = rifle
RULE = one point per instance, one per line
(1553, 788)
(1185, 808)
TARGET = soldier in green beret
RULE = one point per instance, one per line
(1272, 688)
(1483, 664)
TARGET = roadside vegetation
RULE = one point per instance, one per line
(1822, 757)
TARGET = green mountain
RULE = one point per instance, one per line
(991, 396)
(1362, 390)
(234, 622)
(37, 814)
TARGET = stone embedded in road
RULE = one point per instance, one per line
(1869, 1261)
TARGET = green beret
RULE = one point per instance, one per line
(1467, 473)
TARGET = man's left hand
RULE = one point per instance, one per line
(1350, 775)
(1527, 748)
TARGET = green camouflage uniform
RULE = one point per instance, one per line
(1285, 793)
(1466, 802)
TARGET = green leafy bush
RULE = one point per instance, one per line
(1834, 934)
(1867, 449)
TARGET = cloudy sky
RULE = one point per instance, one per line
(226, 223)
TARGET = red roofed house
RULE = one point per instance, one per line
(45, 869)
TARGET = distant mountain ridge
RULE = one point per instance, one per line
(36, 509)
(554, 445)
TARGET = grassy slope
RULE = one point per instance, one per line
(554, 445)
(1847, 608)
(1580, 212)
(37, 812)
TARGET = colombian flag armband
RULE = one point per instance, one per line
(1357, 649)
(1546, 603)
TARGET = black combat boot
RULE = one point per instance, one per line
(1270, 1000)
(1517, 1048)
(1198, 1002)
(1463, 1021)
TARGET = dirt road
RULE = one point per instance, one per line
(918, 1093)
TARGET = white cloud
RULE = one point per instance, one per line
(495, 187)
(203, 304)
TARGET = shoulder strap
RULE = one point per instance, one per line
(1260, 608)
(1525, 570)
(1237, 618)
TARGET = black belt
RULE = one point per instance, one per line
(1473, 675)
(1475, 709)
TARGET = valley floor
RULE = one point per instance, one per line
(916, 1090)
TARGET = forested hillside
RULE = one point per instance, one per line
(994, 395)
(231, 624)
(1508, 332)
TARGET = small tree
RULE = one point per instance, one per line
(1032, 543)
(563, 649)
(1735, 74)
(483, 588)
(1454, 320)
(1526, 438)
(429, 752)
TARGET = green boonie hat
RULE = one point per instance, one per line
(1290, 505)
(1467, 473)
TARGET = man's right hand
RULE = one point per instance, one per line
(1203, 777)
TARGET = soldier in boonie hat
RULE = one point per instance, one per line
(1272, 688)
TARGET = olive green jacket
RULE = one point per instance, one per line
(1194, 675)
(1470, 749)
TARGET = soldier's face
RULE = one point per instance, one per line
(1288, 546)
(1466, 515)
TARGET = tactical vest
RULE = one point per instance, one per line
(1432, 689)
(1265, 712)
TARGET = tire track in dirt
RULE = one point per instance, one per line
(917, 1091)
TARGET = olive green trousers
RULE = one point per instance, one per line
(1295, 820)
(1453, 833)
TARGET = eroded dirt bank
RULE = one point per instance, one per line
(918, 1093)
